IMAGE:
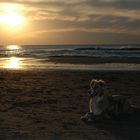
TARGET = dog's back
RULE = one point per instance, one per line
(120, 105)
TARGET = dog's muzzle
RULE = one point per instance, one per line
(91, 91)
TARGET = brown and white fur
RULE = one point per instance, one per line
(101, 103)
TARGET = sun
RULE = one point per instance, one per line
(12, 19)
(12, 16)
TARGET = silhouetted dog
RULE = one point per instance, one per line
(102, 105)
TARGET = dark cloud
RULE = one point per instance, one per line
(122, 4)
(118, 4)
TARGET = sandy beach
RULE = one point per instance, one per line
(47, 104)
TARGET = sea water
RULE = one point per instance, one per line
(37, 56)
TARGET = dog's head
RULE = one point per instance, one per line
(97, 87)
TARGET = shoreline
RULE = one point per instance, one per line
(92, 60)
(71, 63)
(81, 59)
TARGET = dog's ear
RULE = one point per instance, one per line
(93, 82)
(101, 83)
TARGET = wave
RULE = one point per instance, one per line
(108, 48)
(135, 49)
(89, 51)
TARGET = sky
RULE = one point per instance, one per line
(70, 21)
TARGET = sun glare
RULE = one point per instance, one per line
(13, 47)
(13, 63)
(12, 19)
(12, 16)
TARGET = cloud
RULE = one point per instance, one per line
(80, 8)
(86, 16)
(91, 30)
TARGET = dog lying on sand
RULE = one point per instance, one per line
(102, 105)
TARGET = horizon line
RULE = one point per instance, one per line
(106, 44)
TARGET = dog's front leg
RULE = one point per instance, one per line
(90, 105)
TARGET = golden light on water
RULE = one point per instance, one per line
(13, 63)
(13, 47)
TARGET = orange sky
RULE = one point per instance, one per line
(69, 22)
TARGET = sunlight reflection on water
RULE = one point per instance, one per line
(21, 63)
(13, 47)
(36, 63)
(14, 58)
(12, 63)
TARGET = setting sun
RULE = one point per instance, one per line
(12, 16)
(12, 19)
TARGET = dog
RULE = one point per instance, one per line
(102, 105)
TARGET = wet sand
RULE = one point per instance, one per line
(92, 60)
(47, 105)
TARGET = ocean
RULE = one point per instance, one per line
(72, 50)
(34, 56)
